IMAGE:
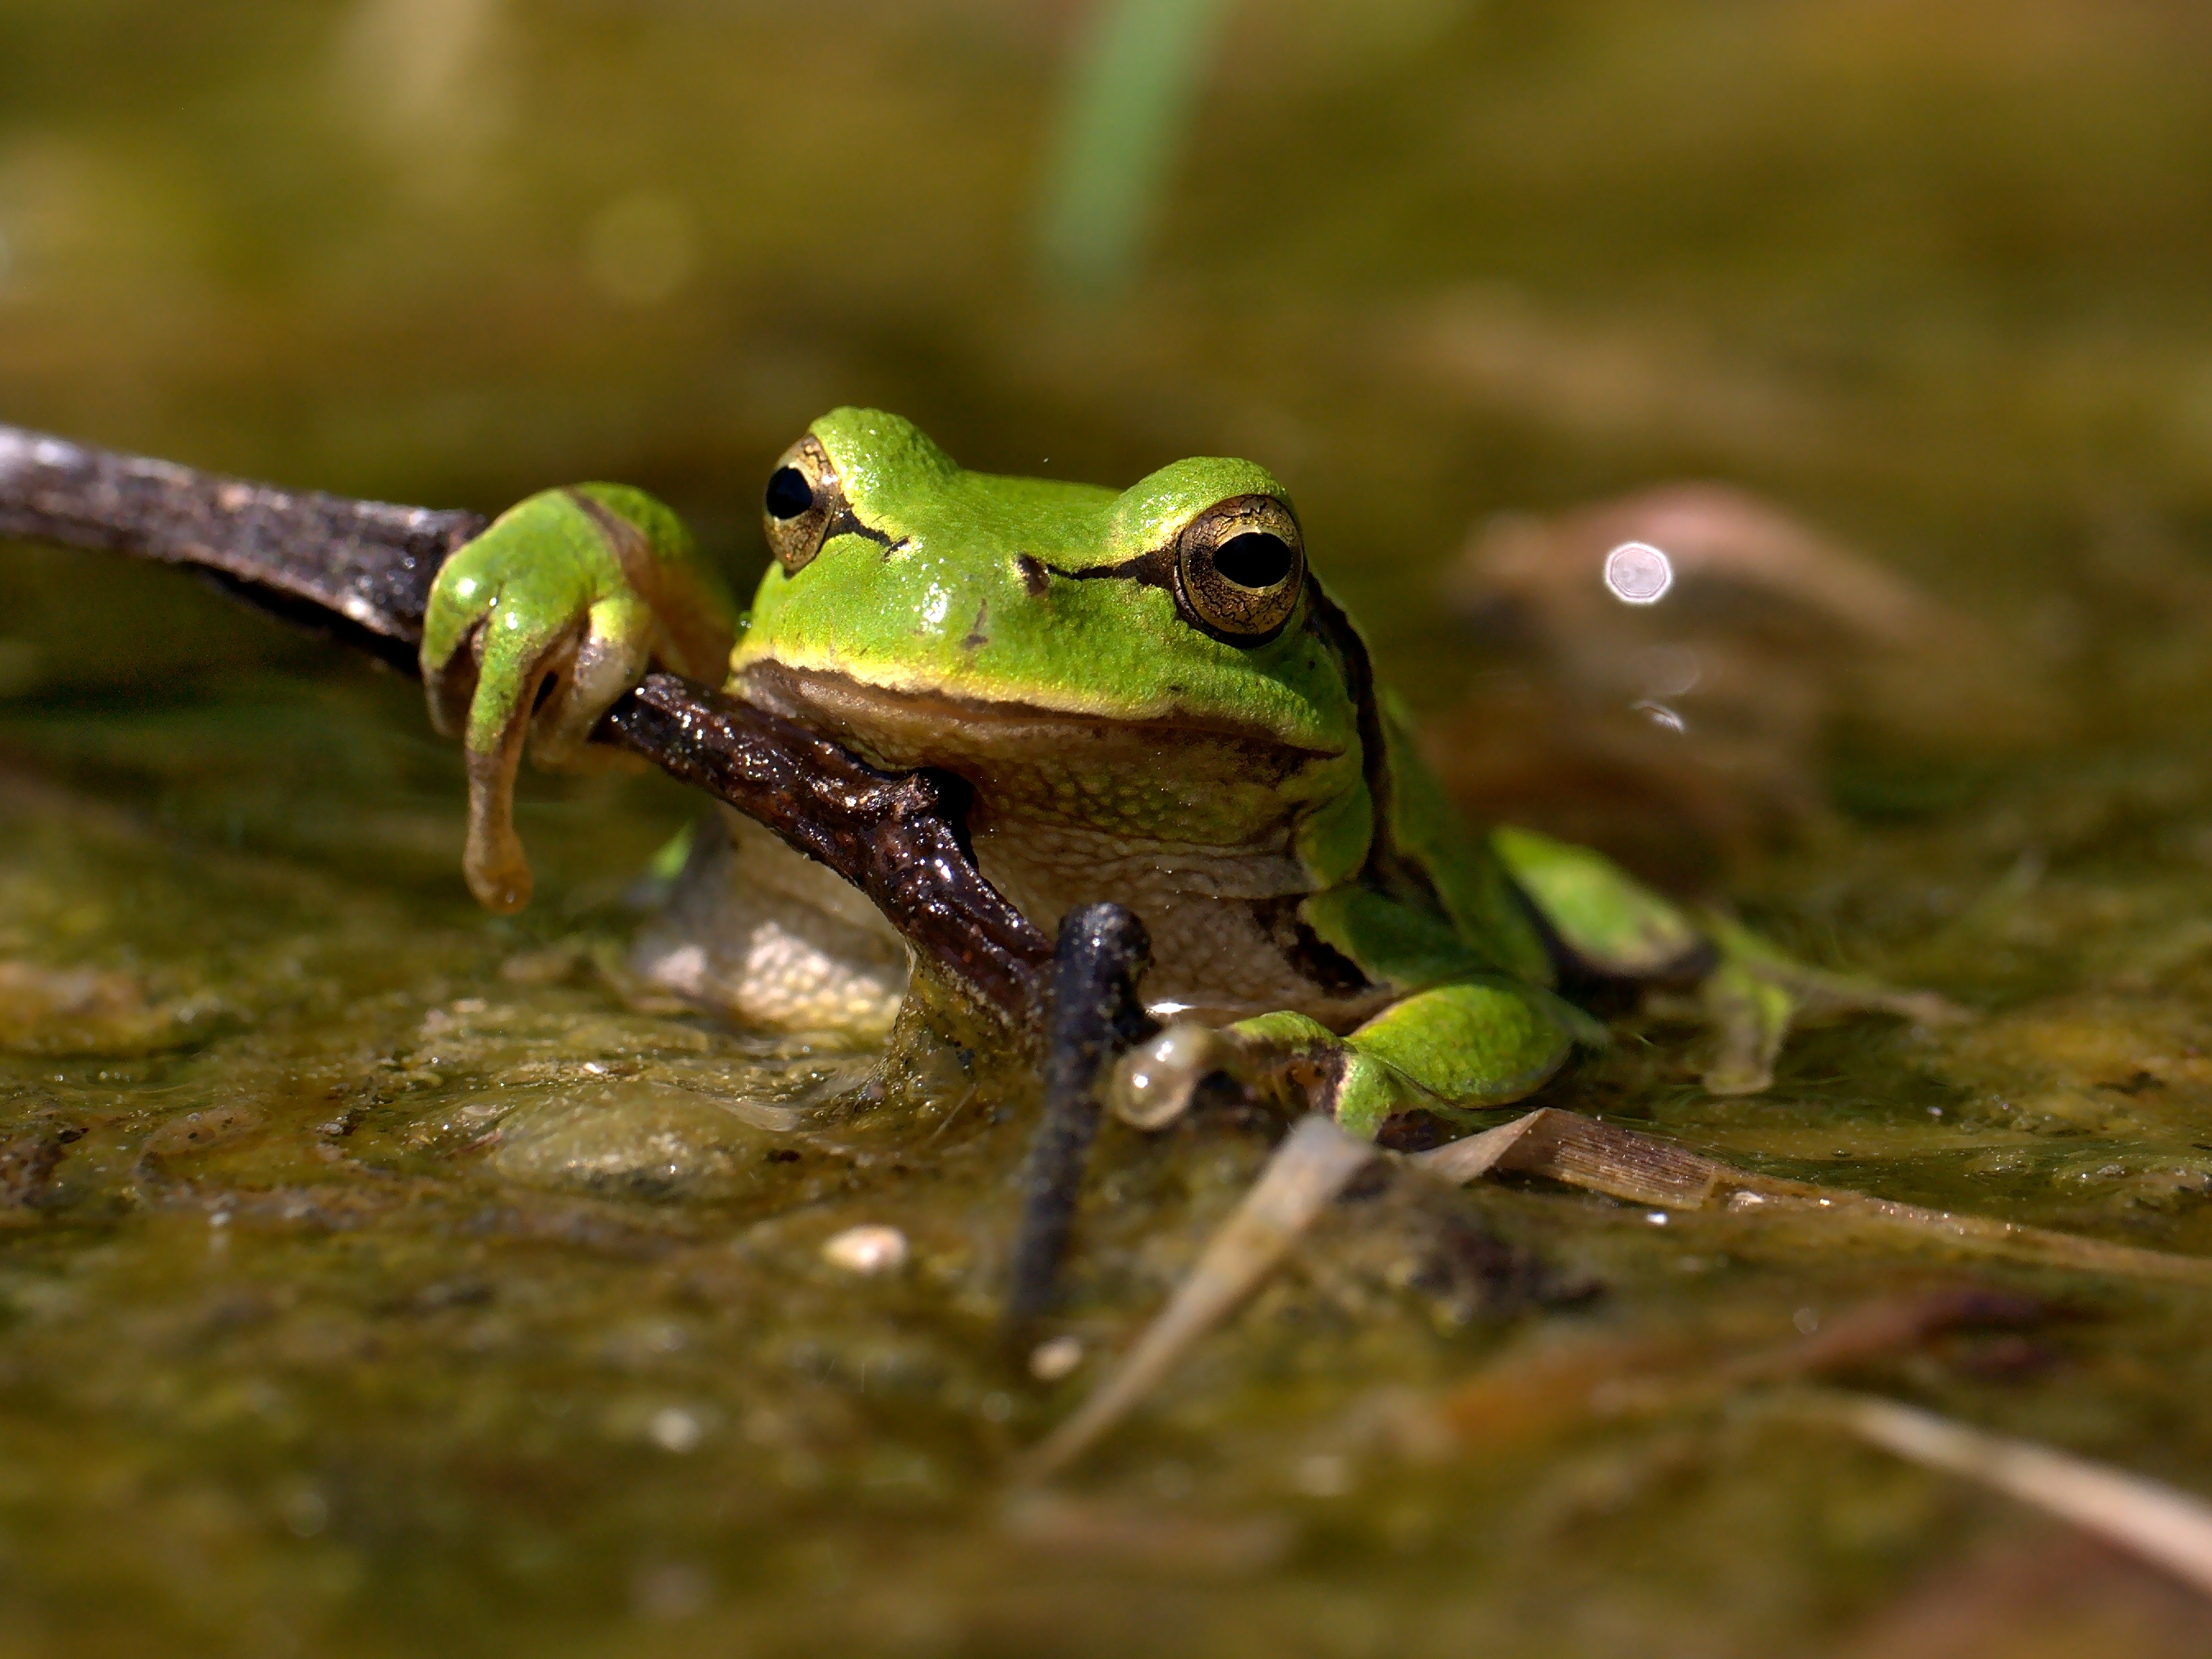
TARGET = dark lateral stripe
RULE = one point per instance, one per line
(848, 523)
(1388, 868)
(1157, 570)
(1153, 569)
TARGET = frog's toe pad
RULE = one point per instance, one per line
(498, 873)
(586, 683)
(1737, 1075)
(1154, 1084)
(499, 877)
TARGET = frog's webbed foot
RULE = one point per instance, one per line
(1756, 993)
(547, 686)
(528, 667)
(536, 627)
(1464, 1047)
(485, 694)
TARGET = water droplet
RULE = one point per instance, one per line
(670, 1591)
(306, 1513)
(1661, 671)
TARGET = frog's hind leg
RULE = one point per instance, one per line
(1604, 924)
(1463, 1046)
(1757, 993)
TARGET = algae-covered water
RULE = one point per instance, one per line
(377, 1276)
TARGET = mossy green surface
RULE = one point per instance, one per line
(375, 1279)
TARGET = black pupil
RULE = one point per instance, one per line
(789, 494)
(1255, 559)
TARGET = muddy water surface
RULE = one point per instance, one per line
(377, 1277)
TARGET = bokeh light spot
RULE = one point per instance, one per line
(1638, 573)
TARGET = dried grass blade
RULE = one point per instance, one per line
(1975, 1235)
(1474, 1156)
(1584, 1152)
(1641, 1168)
(1307, 1171)
(2171, 1529)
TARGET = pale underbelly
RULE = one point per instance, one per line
(773, 940)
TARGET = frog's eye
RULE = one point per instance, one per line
(1239, 567)
(803, 496)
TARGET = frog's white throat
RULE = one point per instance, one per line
(1189, 824)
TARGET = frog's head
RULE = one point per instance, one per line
(1177, 599)
(918, 610)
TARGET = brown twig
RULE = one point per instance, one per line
(362, 571)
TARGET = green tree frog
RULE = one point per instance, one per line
(1155, 701)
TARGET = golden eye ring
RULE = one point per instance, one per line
(1240, 566)
(803, 496)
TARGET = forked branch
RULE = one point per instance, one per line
(362, 571)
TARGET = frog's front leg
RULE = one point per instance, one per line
(1462, 1047)
(538, 625)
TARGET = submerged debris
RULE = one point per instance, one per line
(870, 1250)
(200, 1132)
(1318, 1160)
(2037, 1591)
(1641, 1168)
(1310, 1168)
(84, 1011)
(1551, 1385)
(1147, 1537)
(28, 1161)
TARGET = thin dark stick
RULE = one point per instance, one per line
(358, 569)
(362, 571)
(1101, 954)
(899, 837)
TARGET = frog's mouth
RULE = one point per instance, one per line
(1024, 760)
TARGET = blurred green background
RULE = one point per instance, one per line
(1932, 272)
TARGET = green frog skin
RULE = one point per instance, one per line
(1154, 701)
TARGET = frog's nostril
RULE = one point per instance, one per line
(789, 494)
(1255, 559)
